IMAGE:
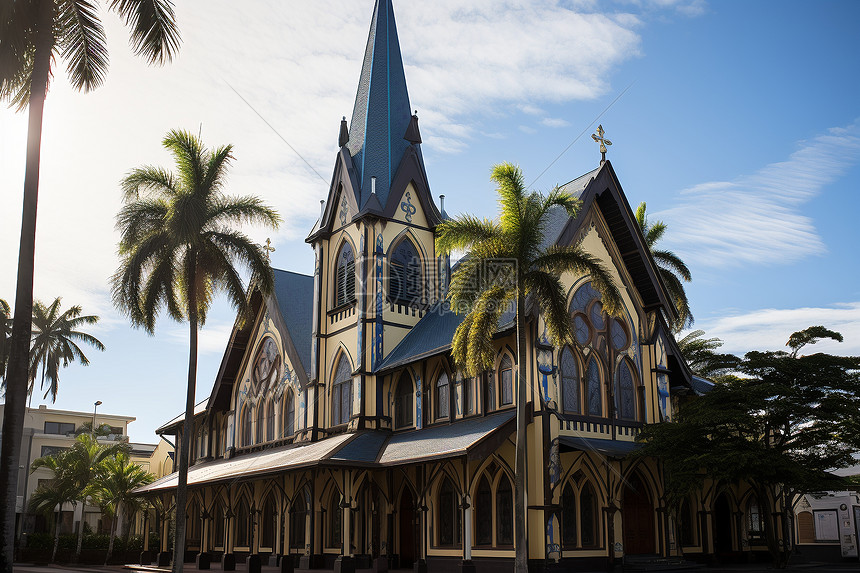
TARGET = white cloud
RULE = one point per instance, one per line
(554, 122)
(758, 219)
(769, 328)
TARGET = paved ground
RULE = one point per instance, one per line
(814, 567)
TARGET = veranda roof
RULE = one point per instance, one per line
(473, 437)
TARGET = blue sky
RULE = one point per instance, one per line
(740, 126)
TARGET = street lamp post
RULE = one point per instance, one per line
(96, 404)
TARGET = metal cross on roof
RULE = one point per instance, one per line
(598, 137)
(268, 248)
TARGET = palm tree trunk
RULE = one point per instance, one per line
(57, 533)
(16, 373)
(187, 428)
(520, 533)
(81, 530)
(112, 535)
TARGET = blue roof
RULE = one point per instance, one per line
(609, 448)
(382, 113)
(295, 296)
(701, 386)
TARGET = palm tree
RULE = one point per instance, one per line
(34, 35)
(521, 268)
(5, 332)
(671, 268)
(83, 463)
(114, 487)
(178, 247)
(702, 356)
(55, 493)
(54, 337)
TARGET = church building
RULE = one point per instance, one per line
(339, 433)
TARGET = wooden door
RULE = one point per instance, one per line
(637, 518)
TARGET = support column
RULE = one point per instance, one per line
(345, 563)
(467, 566)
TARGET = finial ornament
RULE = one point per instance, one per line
(598, 137)
(268, 248)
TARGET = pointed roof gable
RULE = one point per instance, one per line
(382, 114)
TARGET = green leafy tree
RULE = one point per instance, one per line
(179, 246)
(34, 36)
(673, 271)
(702, 356)
(114, 490)
(520, 268)
(55, 338)
(53, 495)
(781, 429)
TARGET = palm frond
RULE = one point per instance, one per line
(678, 297)
(560, 259)
(188, 152)
(217, 163)
(464, 232)
(226, 210)
(148, 179)
(549, 293)
(154, 32)
(671, 262)
(511, 190)
(82, 43)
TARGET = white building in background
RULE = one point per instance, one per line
(47, 431)
(828, 525)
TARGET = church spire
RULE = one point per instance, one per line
(381, 116)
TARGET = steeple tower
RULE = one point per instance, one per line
(382, 114)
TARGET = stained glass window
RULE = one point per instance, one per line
(626, 393)
(268, 523)
(270, 421)
(243, 523)
(403, 401)
(588, 516)
(593, 390)
(484, 514)
(405, 279)
(341, 396)
(449, 515)
(335, 520)
(597, 315)
(506, 381)
(490, 386)
(260, 421)
(442, 394)
(289, 415)
(618, 334)
(345, 278)
(568, 517)
(298, 513)
(569, 381)
(583, 332)
(504, 513)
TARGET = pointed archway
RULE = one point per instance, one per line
(407, 529)
(637, 518)
(722, 526)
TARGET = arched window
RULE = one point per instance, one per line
(405, 276)
(246, 425)
(268, 522)
(289, 414)
(468, 392)
(298, 513)
(194, 524)
(243, 523)
(449, 515)
(569, 381)
(341, 393)
(345, 276)
(484, 513)
(626, 393)
(588, 516)
(403, 402)
(686, 524)
(506, 381)
(489, 393)
(504, 512)
(593, 391)
(568, 517)
(218, 522)
(442, 396)
(260, 420)
(335, 520)
(754, 518)
(270, 421)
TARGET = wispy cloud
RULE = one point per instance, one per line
(758, 218)
(554, 122)
(769, 328)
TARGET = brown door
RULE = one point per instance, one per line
(407, 530)
(637, 518)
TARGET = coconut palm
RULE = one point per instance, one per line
(702, 356)
(83, 462)
(673, 271)
(521, 269)
(114, 487)
(54, 341)
(34, 36)
(179, 246)
(5, 332)
(54, 494)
